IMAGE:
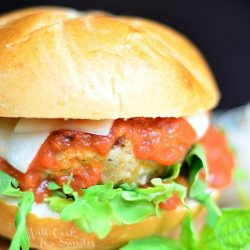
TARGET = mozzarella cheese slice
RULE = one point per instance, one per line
(19, 149)
(97, 127)
(200, 123)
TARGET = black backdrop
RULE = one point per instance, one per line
(220, 28)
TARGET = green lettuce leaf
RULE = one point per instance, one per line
(152, 243)
(21, 238)
(53, 186)
(9, 187)
(63, 191)
(102, 205)
(187, 236)
(232, 231)
(186, 240)
(172, 172)
(134, 205)
(129, 212)
(196, 161)
(66, 187)
(199, 192)
(57, 203)
(92, 212)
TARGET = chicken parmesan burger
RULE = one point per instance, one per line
(105, 131)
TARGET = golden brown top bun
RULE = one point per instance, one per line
(55, 10)
(48, 232)
(59, 63)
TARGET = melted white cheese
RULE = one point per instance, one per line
(200, 123)
(97, 127)
(19, 149)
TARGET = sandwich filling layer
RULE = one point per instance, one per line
(140, 167)
(134, 151)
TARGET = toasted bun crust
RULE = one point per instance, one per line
(59, 63)
(17, 14)
(49, 233)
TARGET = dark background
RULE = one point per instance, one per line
(220, 28)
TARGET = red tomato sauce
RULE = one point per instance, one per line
(163, 140)
(174, 201)
(220, 158)
(171, 203)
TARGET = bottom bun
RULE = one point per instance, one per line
(48, 232)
